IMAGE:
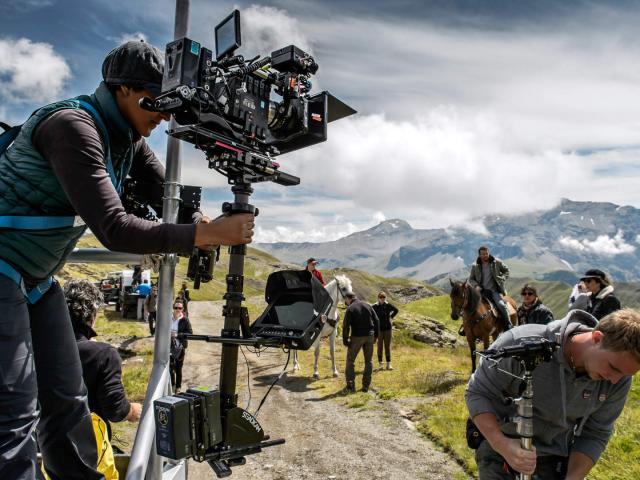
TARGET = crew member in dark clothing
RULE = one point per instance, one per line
(184, 295)
(602, 301)
(386, 312)
(532, 310)
(360, 330)
(179, 324)
(61, 174)
(101, 364)
(150, 307)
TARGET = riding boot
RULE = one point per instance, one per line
(503, 311)
(507, 321)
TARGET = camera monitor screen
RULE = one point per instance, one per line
(290, 311)
(228, 35)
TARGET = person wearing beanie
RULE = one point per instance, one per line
(602, 301)
(62, 173)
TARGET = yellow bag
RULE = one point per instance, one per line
(106, 461)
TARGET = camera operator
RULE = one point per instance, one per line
(577, 396)
(61, 175)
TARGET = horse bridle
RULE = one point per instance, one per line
(464, 304)
(334, 321)
(465, 300)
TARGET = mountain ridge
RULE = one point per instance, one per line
(559, 243)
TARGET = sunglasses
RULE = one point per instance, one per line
(177, 308)
(528, 294)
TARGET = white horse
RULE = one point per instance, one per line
(337, 288)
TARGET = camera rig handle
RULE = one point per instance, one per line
(530, 352)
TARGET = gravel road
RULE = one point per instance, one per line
(324, 438)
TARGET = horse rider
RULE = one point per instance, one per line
(602, 301)
(311, 266)
(532, 309)
(488, 275)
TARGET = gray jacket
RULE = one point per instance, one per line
(572, 413)
(499, 272)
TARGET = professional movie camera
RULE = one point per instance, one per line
(223, 106)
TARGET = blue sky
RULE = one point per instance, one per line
(465, 107)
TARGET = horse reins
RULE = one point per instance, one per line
(334, 321)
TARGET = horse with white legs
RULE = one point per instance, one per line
(337, 288)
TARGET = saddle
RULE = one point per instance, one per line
(494, 309)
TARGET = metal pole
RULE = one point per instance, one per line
(102, 255)
(524, 425)
(144, 453)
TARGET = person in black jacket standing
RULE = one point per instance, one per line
(386, 312)
(602, 301)
(532, 309)
(179, 324)
(101, 363)
(360, 330)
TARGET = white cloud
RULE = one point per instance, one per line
(447, 164)
(31, 71)
(127, 37)
(602, 245)
(379, 217)
(265, 29)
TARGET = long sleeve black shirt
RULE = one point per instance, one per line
(102, 374)
(386, 312)
(360, 320)
(69, 141)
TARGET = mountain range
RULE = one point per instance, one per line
(556, 244)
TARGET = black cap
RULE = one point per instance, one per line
(309, 260)
(597, 274)
(135, 63)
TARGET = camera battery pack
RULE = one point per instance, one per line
(173, 425)
(212, 425)
(185, 59)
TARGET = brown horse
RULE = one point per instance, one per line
(478, 319)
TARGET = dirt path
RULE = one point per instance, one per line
(324, 439)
